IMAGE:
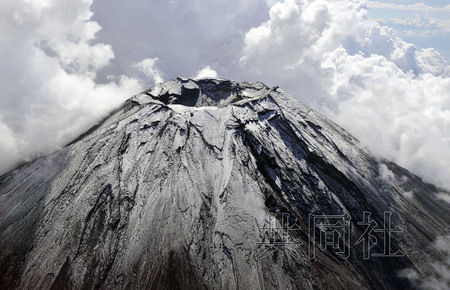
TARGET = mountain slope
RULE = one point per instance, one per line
(175, 190)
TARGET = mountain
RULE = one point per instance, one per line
(216, 184)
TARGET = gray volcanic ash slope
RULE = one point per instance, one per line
(176, 189)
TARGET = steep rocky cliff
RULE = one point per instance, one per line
(215, 184)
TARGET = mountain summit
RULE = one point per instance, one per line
(215, 184)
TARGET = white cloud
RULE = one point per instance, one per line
(444, 196)
(49, 65)
(206, 72)
(394, 97)
(149, 69)
(439, 279)
(386, 174)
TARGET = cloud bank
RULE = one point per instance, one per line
(392, 96)
(48, 66)
(61, 75)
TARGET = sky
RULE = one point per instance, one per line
(426, 24)
(378, 68)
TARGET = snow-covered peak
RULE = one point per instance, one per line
(204, 92)
(179, 189)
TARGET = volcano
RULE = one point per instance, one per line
(216, 184)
